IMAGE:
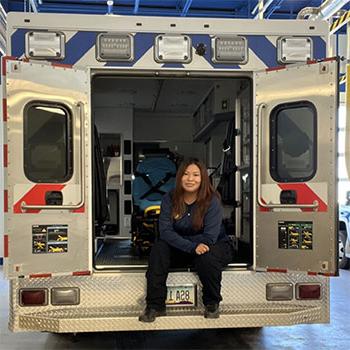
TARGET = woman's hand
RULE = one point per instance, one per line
(201, 249)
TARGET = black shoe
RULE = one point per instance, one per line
(149, 315)
(212, 311)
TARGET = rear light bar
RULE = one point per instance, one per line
(308, 291)
(33, 297)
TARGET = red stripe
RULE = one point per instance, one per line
(81, 273)
(276, 270)
(275, 68)
(6, 201)
(312, 273)
(36, 196)
(5, 155)
(6, 246)
(40, 275)
(327, 274)
(305, 195)
(80, 210)
(4, 59)
(263, 208)
(62, 65)
(311, 61)
(4, 109)
(329, 59)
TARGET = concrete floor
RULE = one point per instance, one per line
(335, 335)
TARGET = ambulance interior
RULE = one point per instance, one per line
(143, 128)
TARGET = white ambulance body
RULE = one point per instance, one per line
(176, 84)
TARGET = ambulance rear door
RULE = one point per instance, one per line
(46, 166)
(296, 168)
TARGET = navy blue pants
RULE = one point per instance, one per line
(208, 266)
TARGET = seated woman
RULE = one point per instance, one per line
(191, 230)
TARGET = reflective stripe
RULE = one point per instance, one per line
(6, 201)
(40, 275)
(6, 246)
(5, 155)
(4, 109)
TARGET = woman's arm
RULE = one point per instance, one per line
(167, 232)
(211, 224)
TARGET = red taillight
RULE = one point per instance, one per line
(309, 291)
(33, 297)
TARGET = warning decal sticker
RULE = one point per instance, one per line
(295, 235)
(50, 239)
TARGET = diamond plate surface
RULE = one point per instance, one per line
(113, 301)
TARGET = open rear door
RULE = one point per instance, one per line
(296, 167)
(46, 133)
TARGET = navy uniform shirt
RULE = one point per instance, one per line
(180, 234)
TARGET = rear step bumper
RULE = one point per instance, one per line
(103, 320)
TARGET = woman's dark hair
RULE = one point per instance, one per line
(204, 196)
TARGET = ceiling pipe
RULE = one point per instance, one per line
(186, 8)
(110, 4)
(32, 4)
(136, 7)
(325, 11)
(262, 8)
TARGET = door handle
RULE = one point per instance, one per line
(24, 206)
(314, 205)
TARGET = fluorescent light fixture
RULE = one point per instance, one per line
(230, 49)
(115, 47)
(173, 48)
(45, 45)
(294, 49)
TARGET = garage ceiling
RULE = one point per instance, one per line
(277, 9)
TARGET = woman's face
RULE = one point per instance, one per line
(191, 179)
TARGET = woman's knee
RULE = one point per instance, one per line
(160, 248)
(204, 261)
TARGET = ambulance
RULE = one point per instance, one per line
(88, 99)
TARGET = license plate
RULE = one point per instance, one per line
(181, 295)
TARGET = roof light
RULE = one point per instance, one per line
(45, 45)
(279, 291)
(294, 49)
(173, 48)
(309, 291)
(230, 49)
(115, 47)
(33, 297)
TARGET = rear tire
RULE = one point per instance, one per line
(344, 262)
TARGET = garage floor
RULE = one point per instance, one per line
(335, 335)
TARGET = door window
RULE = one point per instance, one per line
(47, 143)
(293, 132)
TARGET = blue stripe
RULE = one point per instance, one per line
(142, 43)
(319, 48)
(342, 87)
(18, 42)
(1, 261)
(264, 49)
(206, 40)
(78, 46)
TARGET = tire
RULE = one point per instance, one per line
(344, 262)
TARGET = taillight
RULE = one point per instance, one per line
(279, 291)
(33, 297)
(308, 291)
(65, 296)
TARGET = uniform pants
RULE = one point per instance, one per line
(208, 266)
